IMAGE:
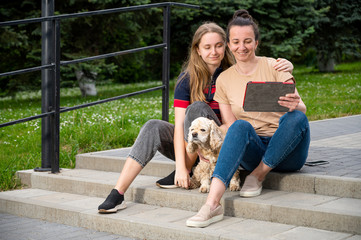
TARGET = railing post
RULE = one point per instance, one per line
(55, 118)
(166, 63)
(47, 85)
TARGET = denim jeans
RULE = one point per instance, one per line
(285, 151)
(157, 135)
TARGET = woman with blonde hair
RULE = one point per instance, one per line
(193, 98)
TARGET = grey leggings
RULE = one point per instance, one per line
(157, 135)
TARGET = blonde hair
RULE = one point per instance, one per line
(196, 68)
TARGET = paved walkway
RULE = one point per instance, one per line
(335, 140)
(339, 142)
(23, 228)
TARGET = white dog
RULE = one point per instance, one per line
(205, 136)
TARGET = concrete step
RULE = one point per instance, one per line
(113, 161)
(295, 208)
(148, 221)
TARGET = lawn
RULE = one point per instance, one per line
(116, 124)
(330, 95)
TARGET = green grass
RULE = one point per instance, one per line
(330, 95)
(116, 124)
(106, 126)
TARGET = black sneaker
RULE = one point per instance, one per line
(113, 203)
(167, 182)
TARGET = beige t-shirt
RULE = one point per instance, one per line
(230, 89)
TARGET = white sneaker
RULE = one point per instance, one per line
(251, 187)
(205, 217)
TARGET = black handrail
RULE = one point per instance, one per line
(52, 114)
(97, 12)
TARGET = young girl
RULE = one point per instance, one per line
(193, 98)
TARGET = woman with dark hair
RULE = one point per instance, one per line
(256, 141)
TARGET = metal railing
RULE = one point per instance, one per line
(50, 67)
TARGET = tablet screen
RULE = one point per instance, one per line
(264, 96)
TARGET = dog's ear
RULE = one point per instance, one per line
(216, 136)
(191, 146)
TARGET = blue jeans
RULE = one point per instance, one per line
(285, 151)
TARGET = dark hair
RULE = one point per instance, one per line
(243, 18)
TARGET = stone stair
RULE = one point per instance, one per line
(292, 206)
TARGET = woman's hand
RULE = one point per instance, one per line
(181, 178)
(290, 101)
(293, 101)
(283, 65)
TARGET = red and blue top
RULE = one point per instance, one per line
(182, 93)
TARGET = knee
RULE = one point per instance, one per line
(152, 125)
(294, 119)
(196, 107)
(195, 110)
(240, 126)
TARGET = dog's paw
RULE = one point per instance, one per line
(204, 188)
(234, 187)
(193, 183)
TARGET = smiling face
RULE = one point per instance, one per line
(211, 49)
(242, 43)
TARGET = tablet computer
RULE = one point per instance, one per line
(264, 96)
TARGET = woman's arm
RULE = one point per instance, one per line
(228, 117)
(181, 174)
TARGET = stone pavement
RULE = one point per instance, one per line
(339, 142)
(23, 228)
(335, 140)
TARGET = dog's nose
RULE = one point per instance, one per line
(194, 135)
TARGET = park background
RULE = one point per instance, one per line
(322, 38)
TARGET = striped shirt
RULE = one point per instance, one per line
(182, 93)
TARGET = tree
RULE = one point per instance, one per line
(284, 25)
(20, 46)
(337, 34)
(110, 33)
(82, 37)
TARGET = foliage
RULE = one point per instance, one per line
(111, 33)
(296, 30)
(19, 46)
(284, 25)
(338, 34)
(82, 37)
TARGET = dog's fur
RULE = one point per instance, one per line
(205, 136)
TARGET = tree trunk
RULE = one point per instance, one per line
(86, 83)
(326, 64)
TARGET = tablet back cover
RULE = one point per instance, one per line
(263, 96)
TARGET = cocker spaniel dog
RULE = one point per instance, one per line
(207, 138)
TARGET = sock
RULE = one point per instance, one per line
(120, 192)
